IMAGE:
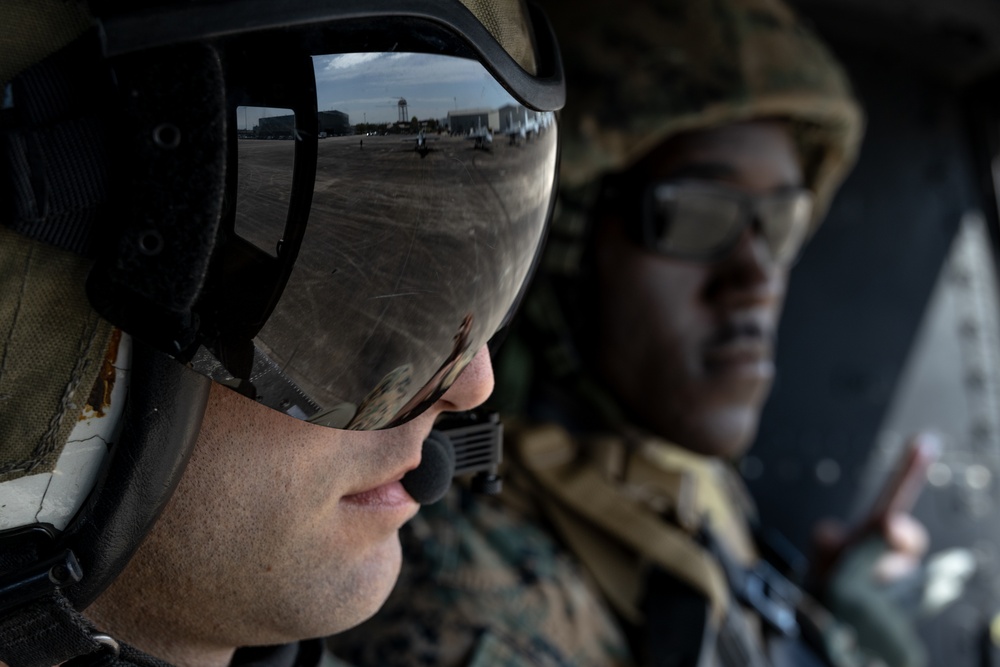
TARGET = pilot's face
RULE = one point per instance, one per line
(687, 345)
(279, 530)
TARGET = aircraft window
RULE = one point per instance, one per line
(951, 380)
(891, 318)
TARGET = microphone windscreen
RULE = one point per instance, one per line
(429, 481)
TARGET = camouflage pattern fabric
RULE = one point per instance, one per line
(626, 503)
(638, 72)
(59, 357)
(484, 587)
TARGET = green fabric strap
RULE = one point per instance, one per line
(51, 348)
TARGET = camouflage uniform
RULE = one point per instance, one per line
(485, 585)
(666, 535)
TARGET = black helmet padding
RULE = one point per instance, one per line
(161, 422)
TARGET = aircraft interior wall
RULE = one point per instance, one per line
(876, 301)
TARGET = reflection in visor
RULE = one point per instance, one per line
(431, 192)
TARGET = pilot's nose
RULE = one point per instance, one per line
(748, 275)
(473, 386)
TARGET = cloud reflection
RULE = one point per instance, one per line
(368, 86)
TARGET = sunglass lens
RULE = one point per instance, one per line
(691, 223)
(785, 220)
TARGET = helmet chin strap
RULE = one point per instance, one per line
(45, 632)
(162, 417)
(49, 628)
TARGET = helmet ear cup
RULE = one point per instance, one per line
(167, 183)
(429, 481)
(162, 417)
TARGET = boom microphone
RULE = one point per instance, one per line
(429, 481)
(462, 443)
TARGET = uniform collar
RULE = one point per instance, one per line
(303, 654)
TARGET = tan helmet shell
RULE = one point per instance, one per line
(640, 71)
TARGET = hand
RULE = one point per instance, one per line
(885, 548)
(906, 542)
(905, 538)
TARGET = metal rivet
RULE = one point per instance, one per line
(978, 476)
(167, 135)
(828, 472)
(939, 474)
(751, 467)
(109, 642)
(151, 242)
(59, 574)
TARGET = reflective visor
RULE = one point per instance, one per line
(424, 223)
(383, 210)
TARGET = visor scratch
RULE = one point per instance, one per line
(392, 296)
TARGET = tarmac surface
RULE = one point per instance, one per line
(403, 251)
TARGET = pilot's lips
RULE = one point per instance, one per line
(391, 494)
(385, 508)
(385, 494)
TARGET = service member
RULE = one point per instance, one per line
(220, 353)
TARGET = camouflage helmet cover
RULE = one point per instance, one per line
(639, 72)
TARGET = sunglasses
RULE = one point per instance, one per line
(705, 221)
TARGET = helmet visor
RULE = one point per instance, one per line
(430, 191)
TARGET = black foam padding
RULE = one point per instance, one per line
(429, 481)
(162, 419)
(168, 178)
